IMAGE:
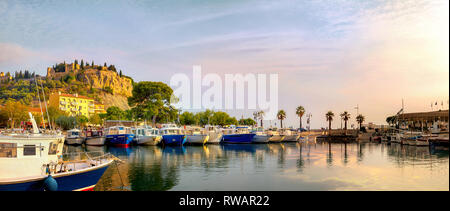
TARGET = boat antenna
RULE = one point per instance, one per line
(39, 98)
(45, 103)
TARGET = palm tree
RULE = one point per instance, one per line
(281, 116)
(300, 111)
(360, 119)
(261, 117)
(329, 115)
(345, 116)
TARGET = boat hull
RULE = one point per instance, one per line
(290, 138)
(75, 181)
(149, 140)
(197, 139)
(276, 138)
(422, 142)
(214, 138)
(176, 140)
(95, 141)
(238, 138)
(74, 141)
(260, 139)
(122, 140)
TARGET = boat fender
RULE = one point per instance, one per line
(50, 184)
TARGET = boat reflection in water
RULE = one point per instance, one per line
(279, 166)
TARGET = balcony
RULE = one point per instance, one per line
(74, 103)
(91, 111)
(62, 102)
(73, 109)
(63, 109)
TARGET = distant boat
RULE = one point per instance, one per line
(74, 137)
(172, 135)
(289, 136)
(274, 135)
(239, 135)
(95, 138)
(120, 136)
(214, 133)
(195, 135)
(147, 135)
(260, 135)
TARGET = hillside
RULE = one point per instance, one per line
(102, 83)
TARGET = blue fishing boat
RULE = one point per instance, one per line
(172, 135)
(238, 135)
(120, 136)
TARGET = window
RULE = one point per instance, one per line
(8, 150)
(29, 150)
(53, 148)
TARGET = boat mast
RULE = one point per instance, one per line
(39, 98)
(45, 103)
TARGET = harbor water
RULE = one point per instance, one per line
(282, 166)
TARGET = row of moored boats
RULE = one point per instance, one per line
(171, 134)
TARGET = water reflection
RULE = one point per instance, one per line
(281, 166)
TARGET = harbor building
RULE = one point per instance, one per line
(424, 119)
(75, 104)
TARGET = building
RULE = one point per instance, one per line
(74, 104)
(424, 119)
(99, 108)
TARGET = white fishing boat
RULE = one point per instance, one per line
(274, 135)
(95, 138)
(74, 137)
(288, 135)
(214, 133)
(196, 135)
(147, 136)
(34, 161)
(261, 136)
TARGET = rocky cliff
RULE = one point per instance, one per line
(101, 79)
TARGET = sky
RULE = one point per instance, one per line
(329, 55)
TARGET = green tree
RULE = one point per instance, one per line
(345, 116)
(248, 121)
(300, 111)
(66, 122)
(15, 112)
(360, 119)
(329, 116)
(54, 113)
(153, 99)
(281, 115)
(115, 113)
(95, 119)
(188, 118)
(82, 120)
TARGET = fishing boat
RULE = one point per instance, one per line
(34, 162)
(120, 136)
(237, 135)
(95, 137)
(196, 135)
(74, 137)
(260, 135)
(214, 133)
(172, 135)
(288, 135)
(409, 138)
(423, 140)
(147, 135)
(275, 136)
